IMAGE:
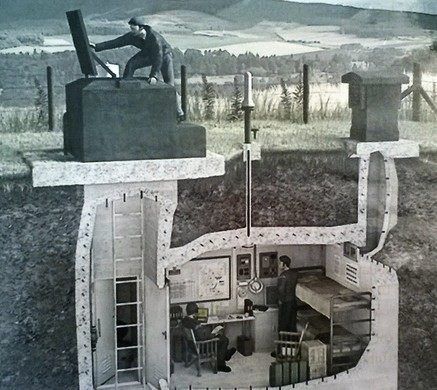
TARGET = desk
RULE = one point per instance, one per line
(229, 318)
(232, 331)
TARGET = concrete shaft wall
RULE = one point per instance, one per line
(127, 197)
(161, 200)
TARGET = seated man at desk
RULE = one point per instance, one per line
(204, 333)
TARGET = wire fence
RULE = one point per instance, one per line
(326, 100)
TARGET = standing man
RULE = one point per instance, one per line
(154, 51)
(287, 297)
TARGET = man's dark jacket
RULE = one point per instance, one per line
(200, 332)
(153, 46)
(287, 286)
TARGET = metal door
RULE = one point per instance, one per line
(104, 367)
(157, 332)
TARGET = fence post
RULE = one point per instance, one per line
(417, 84)
(51, 108)
(306, 93)
(184, 90)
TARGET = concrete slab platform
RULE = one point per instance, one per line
(389, 149)
(52, 168)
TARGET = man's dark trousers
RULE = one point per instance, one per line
(140, 60)
(222, 349)
(287, 317)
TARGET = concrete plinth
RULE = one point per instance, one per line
(117, 119)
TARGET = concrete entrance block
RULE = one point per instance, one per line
(115, 120)
(375, 99)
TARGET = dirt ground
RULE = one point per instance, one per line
(38, 229)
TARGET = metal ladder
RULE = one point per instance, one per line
(138, 302)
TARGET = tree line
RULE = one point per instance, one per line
(18, 71)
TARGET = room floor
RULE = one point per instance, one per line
(246, 371)
(125, 380)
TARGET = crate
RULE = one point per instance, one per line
(314, 352)
(275, 374)
(285, 373)
(317, 371)
(303, 371)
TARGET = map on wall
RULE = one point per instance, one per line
(201, 280)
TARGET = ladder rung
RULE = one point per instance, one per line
(119, 384)
(352, 321)
(128, 326)
(128, 281)
(128, 303)
(124, 348)
(129, 369)
(128, 236)
(135, 213)
(129, 259)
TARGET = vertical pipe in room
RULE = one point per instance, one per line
(184, 90)
(306, 93)
(51, 108)
(248, 192)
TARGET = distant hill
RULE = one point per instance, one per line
(253, 11)
(244, 12)
(423, 6)
(13, 10)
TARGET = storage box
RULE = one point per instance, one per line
(290, 373)
(275, 374)
(314, 352)
(317, 371)
(303, 371)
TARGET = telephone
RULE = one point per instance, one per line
(268, 265)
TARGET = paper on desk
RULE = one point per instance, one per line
(217, 329)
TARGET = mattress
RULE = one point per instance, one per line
(317, 291)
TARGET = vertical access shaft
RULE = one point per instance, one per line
(248, 106)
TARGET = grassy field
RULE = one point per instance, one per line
(225, 138)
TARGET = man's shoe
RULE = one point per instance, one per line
(224, 368)
(230, 353)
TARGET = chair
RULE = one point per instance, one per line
(288, 345)
(175, 315)
(201, 351)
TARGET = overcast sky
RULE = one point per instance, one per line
(427, 6)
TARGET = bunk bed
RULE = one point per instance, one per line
(339, 316)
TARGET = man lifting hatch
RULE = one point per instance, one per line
(155, 51)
